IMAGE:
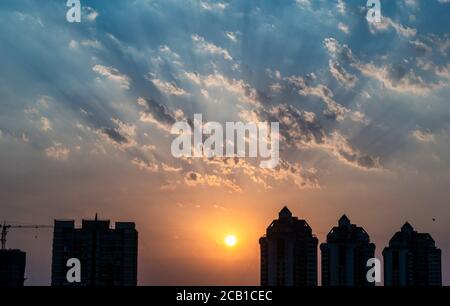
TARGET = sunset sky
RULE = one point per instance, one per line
(86, 111)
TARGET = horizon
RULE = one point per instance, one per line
(321, 236)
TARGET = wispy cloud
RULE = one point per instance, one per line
(204, 46)
(113, 74)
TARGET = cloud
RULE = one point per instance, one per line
(169, 88)
(303, 125)
(194, 179)
(340, 74)
(204, 46)
(301, 177)
(411, 3)
(115, 135)
(245, 93)
(208, 6)
(114, 75)
(33, 113)
(302, 130)
(303, 3)
(24, 17)
(343, 27)
(231, 36)
(443, 71)
(25, 137)
(387, 23)
(297, 128)
(243, 167)
(170, 56)
(304, 87)
(194, 77)
(73, 44)
(420, 47)
(57, 152)
(441, 43)
(396, 77)
(423, 136)
(145, 165)
(121, 136)
(159, 114)
(168, 168)
(340, 147)
(45, 124)
(341, 7)
(90, 43)
(440, 71)
(90, 13)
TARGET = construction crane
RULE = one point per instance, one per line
(5, 228)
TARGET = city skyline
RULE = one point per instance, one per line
(87, 108)
(289, 255)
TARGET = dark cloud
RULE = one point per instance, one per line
(192, 176)
(158, 113)
(115, 135)
(362, 160)
(296, 127)
(308, 86)
(302, 130)
(340, 74)
(398, 76)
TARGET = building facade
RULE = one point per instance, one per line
(12, 268)
(345, 255)
(412, 259)
(288, 253)
(108, 256)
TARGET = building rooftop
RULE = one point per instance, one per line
(407, 236)
(347, 231)
(286, 223)
(91, 224)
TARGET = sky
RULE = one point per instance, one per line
(86, 111)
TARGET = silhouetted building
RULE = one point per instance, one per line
(108, 256)
(288, 253)
(12, 268)
(412, 259)
(345, 255)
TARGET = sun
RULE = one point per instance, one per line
(230, 240)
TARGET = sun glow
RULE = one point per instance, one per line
(230, 240)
